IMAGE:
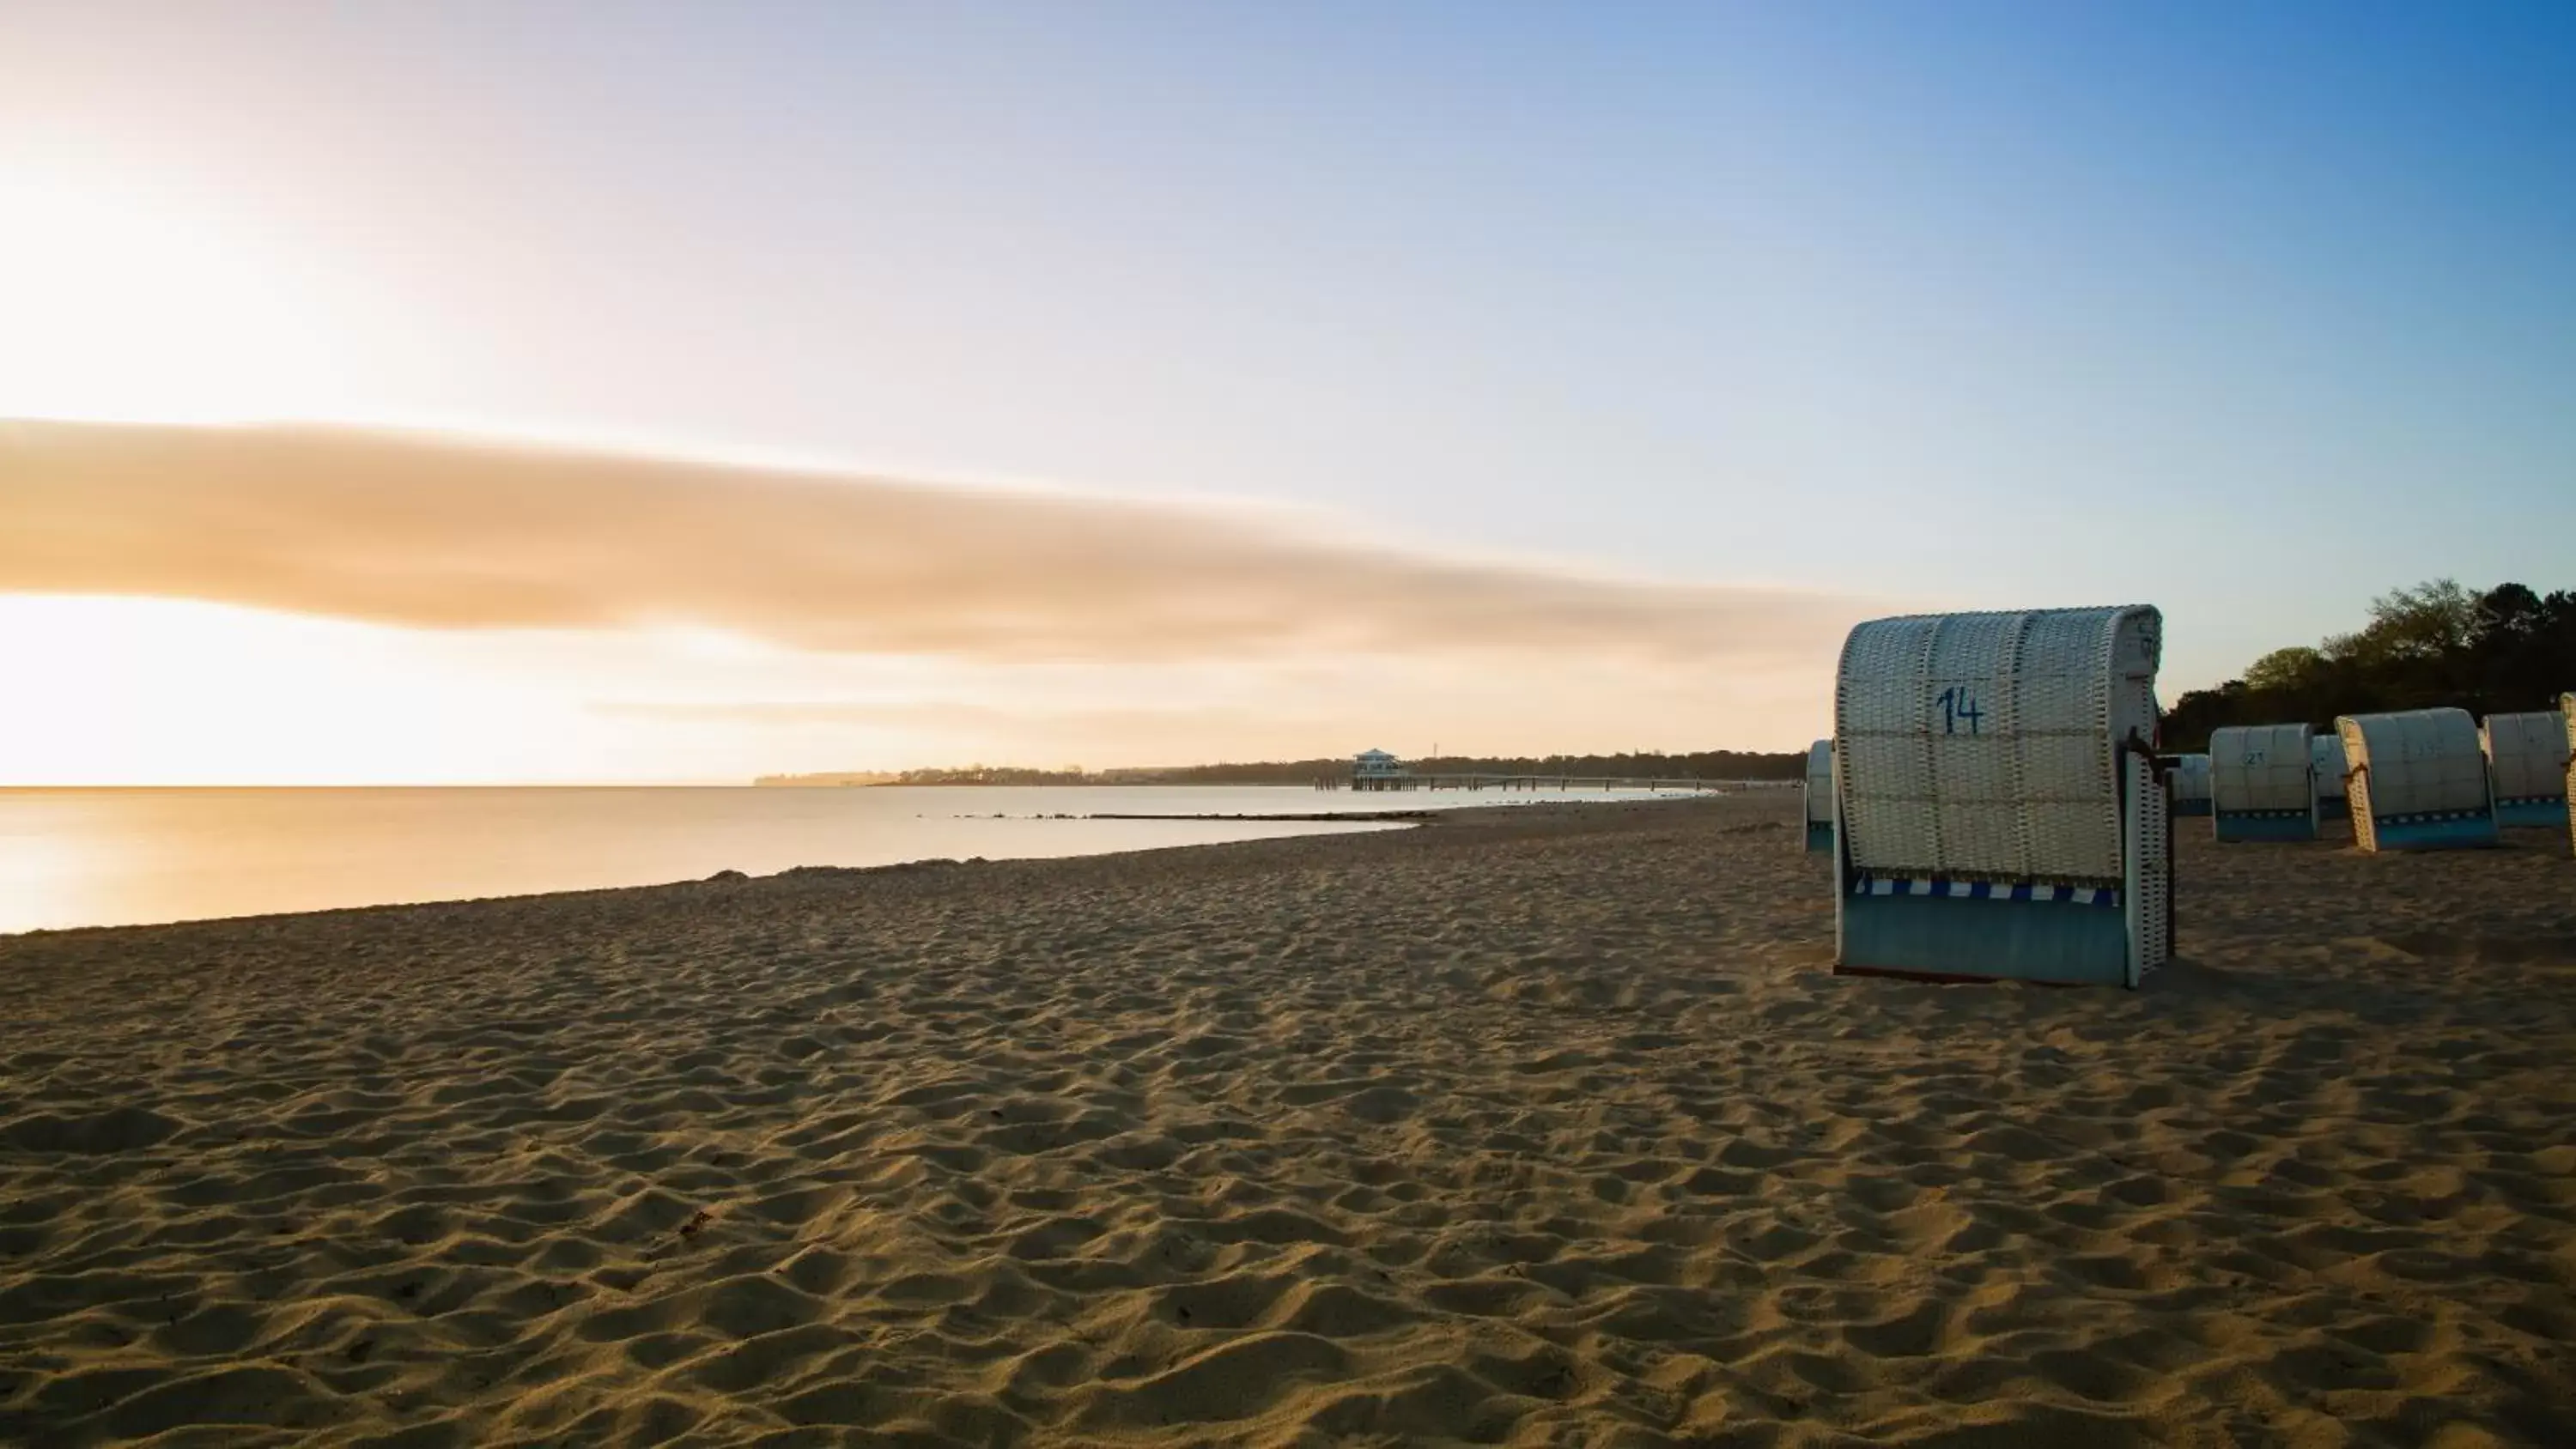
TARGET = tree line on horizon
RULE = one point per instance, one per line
(2504, 650)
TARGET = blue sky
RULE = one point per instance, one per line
(2248, 311)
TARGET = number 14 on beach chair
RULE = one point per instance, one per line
(1998, 810)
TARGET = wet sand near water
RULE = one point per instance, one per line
(1546, 1126)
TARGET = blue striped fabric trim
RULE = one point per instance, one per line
(2504, 800)
(2432, 815)
(1984, 890)
(2264, 814)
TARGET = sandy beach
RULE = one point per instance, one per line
(1543, 1126)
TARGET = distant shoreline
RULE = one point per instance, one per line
(1726, 766)
(1534, 815)
(1308, 817)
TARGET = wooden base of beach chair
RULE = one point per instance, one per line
(2463, 832)
(2547, 813)
(1928, 937)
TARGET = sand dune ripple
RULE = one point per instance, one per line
(1547, 1127)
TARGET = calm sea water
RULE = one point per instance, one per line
(120, 857)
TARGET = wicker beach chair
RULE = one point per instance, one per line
(2189, 777)
(2418, 780)
(1997, 808)
(2262, 782)
(1820, 795)
(2527, 759)
(2326, 750)
(2567, 714)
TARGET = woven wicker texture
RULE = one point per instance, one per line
(2567, 713)
(2326, 761)
(2417, 762)
(2151, 888)
(2191, 777)
(2527, 753)
(1820, 782)
(1982, 745)
(2262, 767)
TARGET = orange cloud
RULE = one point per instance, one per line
(441, 532)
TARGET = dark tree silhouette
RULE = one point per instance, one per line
(2509, 648)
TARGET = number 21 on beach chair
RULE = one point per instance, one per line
(2262, 782)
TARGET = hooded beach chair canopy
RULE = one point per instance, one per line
(2262, 782)
(2190, 778)
(2527, 765)
(1995, 784)
(1820, 795)
(2567, 716)
(2418, 780)
(2326, 752)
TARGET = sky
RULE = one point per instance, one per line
(551, 392)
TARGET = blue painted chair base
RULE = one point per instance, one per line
(2191, 807)
(2466, 834)
(2548, 814)
(1929, 937)
(1820, 835)
(2265, 825)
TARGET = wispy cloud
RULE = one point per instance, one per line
(935, 714)
(442, 532)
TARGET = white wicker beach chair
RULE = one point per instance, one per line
(1997, 809)
(1820, 795)
(2527, 759)
(2189, 777)
(2567, 714)
(2326, 750)
(2262, 782)
(2418, 780)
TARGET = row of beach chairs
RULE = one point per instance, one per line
(1996, 808)
(2438, 779)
